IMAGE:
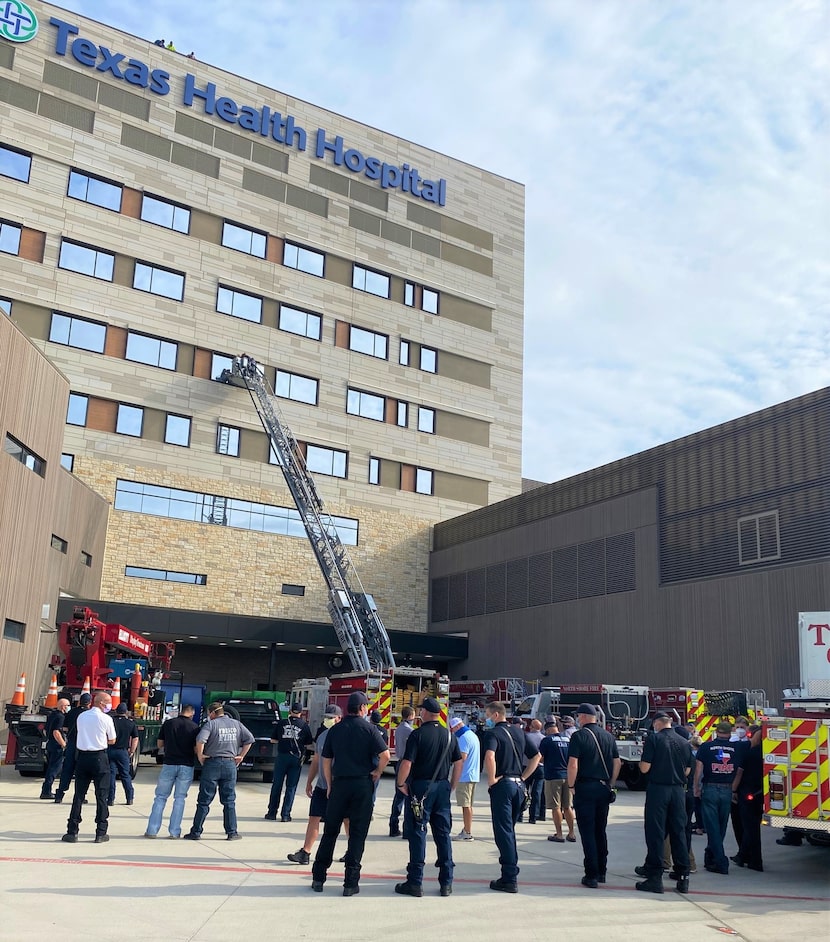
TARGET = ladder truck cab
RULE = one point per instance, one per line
(624, 710)
(388, 692)
(796, 745)
(100, 654)
(706, 708)
(354, 614)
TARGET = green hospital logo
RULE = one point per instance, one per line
(18, 22)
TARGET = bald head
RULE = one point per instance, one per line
(102, 700)
(63, 705)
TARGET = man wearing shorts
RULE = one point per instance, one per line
(554, 750)
(470, 774)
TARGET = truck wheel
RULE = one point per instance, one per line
(135, 758)
(232, 712)
(30, 773)
(634, 779)
(268, 777)
(818, 839)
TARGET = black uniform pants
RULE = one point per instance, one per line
(349, 798)
(94, 768)
(751, 809)
(665, 814)
(591, 801)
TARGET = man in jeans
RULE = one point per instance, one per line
(715, 769)
(177, 738)
(221, 745)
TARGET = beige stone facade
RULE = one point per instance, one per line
(137, 307)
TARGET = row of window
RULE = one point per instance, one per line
(223, 511)
(107, 194)
(129, 420)
(373, 406)
(61, 545)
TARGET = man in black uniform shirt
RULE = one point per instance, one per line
(593, 767)
(292, 736)
(667, 760)
(55, 745)
(424, 772)
(503, 746)
(354, 757)
(70, 753)
(126, 743)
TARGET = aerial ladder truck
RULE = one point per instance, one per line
(353, 612)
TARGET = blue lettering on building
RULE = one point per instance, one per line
(256, 120)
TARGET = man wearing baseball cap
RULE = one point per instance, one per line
(429, 771)
(354, 757)
(292, 736)
(593, 767)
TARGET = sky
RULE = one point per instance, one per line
(676, 160)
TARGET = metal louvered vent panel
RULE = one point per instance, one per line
(565, 574)
(591, 570)
(440, 599)
(540, 569)
(458, 595)
(496, 581)
(476, 592)
(620, 564)
(516, 584)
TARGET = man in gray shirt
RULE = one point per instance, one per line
(405, 727)
(221, 745)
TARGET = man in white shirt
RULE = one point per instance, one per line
(95, 731)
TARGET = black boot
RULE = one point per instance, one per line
(682, 885)
(652, 885)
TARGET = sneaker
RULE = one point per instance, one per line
(341, 859)
(234, 836)
(409, 889)
(58, 797)
(150, 837)
(590, 882)
(463, 836)
(301, 857)
(173, 837)
(101, 838)
(682, 885)
(270, 817)
(192, 837)
(317, 886)
(129, 801)
(285, 818)
(70, 838)
(47, 797)
(351, 890)
(394, 832)
(504, 886)
(446, 889)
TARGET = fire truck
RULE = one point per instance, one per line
(706, 708)
(471, 696)
(387, 691)
(796, 745)
(97, 653)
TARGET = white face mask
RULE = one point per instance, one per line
(740, 732)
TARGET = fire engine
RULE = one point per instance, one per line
(387, 692)
(706, 708)
(797, 745)
(97, 654)
(471, 696)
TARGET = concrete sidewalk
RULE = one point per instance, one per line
(219, 891)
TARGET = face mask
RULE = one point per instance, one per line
(489, 722)
(107, 708)
(328, 722)
(741, 732)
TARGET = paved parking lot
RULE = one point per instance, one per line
(216, 891)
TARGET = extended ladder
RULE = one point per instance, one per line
(355, 617)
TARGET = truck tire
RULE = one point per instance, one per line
(135, 758)
(232, 712)
(634, 779)
(818, 838)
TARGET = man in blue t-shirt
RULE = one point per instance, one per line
(554, 752)
(715, 769)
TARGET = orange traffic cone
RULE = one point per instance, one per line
(116, 693)
(51, 700)
(86, 687)
(19, 698)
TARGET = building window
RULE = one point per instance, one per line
(227, 440)
(329, 461)
(243, 239)
(177, 430)
(372, 282)
(164, 213)
(759, 538)
(403, 356)
(307, 260)
(25, 455)
(94, 190)
(9, 238)
(166, 575)
(409, 294)
(77, 332)
(429, 360)
(303, 323)
(288, 589)
(129, 420)
(219, 362)
(151, 350)
(59, 544)
(86, 559)
(403, 414)
(248, 307)
(86, 261)
(15, 163)
(423, 481)
(368, 342)
(160, 281)
(364, 404)
(14, 630)
(223, 511)
(426, 420)
(296, 387)
(429, 301)
(374, 470)
(6, 306)
(67, 461)
(77, 409)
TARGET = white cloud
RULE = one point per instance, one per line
(675, 158)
